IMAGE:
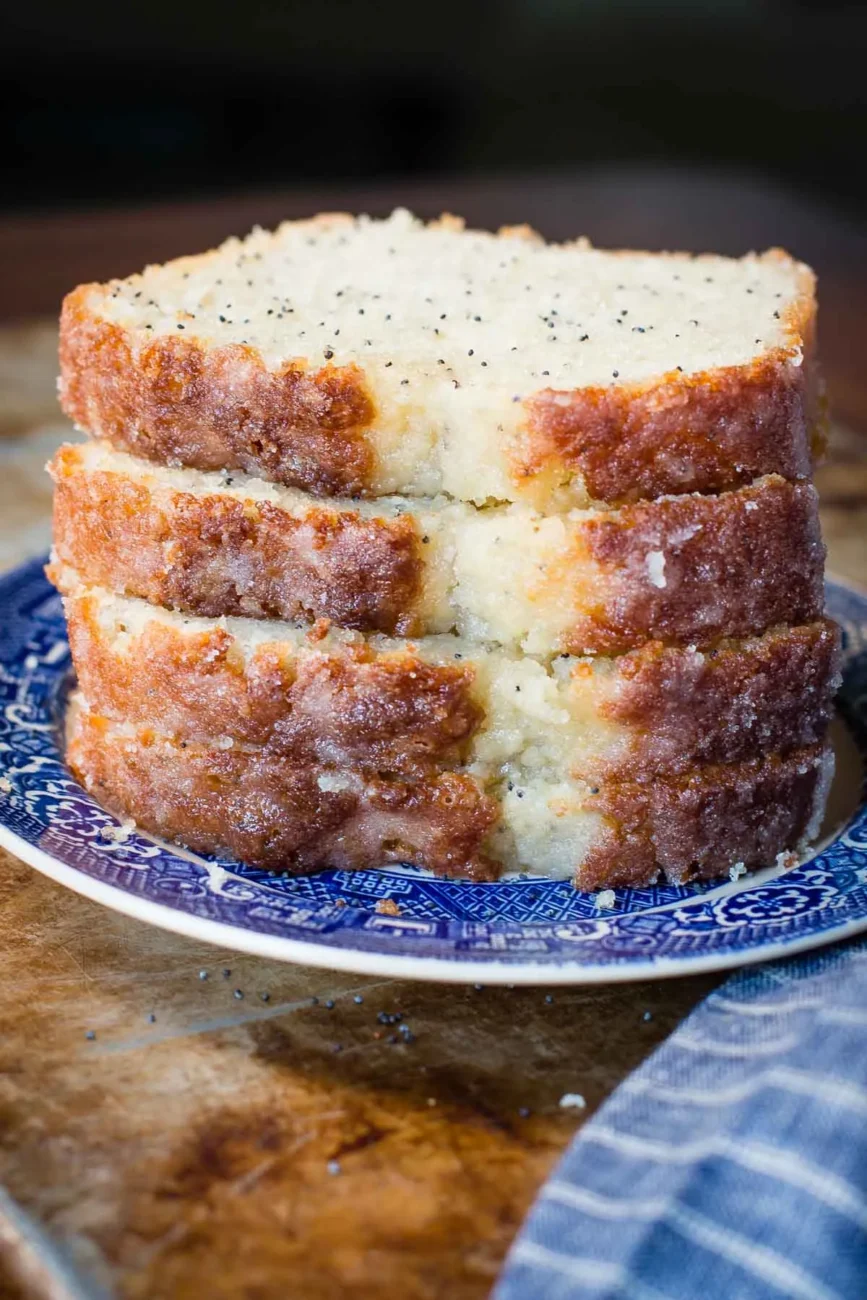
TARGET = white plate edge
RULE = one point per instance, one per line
(432, 969)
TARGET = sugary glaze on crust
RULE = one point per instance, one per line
(268, 811)
(686, 568)
(175, 402)
(408, 707)
(698, 825)
(349, 707)
(330, 428)
(724, 705)
(190, 552)
(730, 565)
(178, 403)
(271, 812)
(697, 433)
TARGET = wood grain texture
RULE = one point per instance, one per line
(189, 1155)
(197, 1146)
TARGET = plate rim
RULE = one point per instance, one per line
(442, 970)
(443, 967)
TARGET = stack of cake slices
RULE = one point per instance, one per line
(397, 542)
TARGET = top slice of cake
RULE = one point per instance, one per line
(348, 356)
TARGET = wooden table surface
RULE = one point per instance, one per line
(240, 1128)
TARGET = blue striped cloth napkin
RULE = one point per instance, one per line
(732, 1165)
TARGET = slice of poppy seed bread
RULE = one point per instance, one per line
(341, 699)
(579, 480)
(347, 356)
(688, 568)
(295, 816)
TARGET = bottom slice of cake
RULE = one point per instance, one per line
(270, 811)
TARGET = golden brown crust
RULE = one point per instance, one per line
(350, 707)
(732, 565)
(705, 432)
(684, 433)
(700, 824)
(392, 711)
(175, 401)
(275, 813)
(272, 812)
(727, 704)
(694, 569)
(217, 555)
(172, 401)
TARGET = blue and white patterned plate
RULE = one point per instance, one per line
(522, 930)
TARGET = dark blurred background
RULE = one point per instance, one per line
(110, 102)
(133, 132)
